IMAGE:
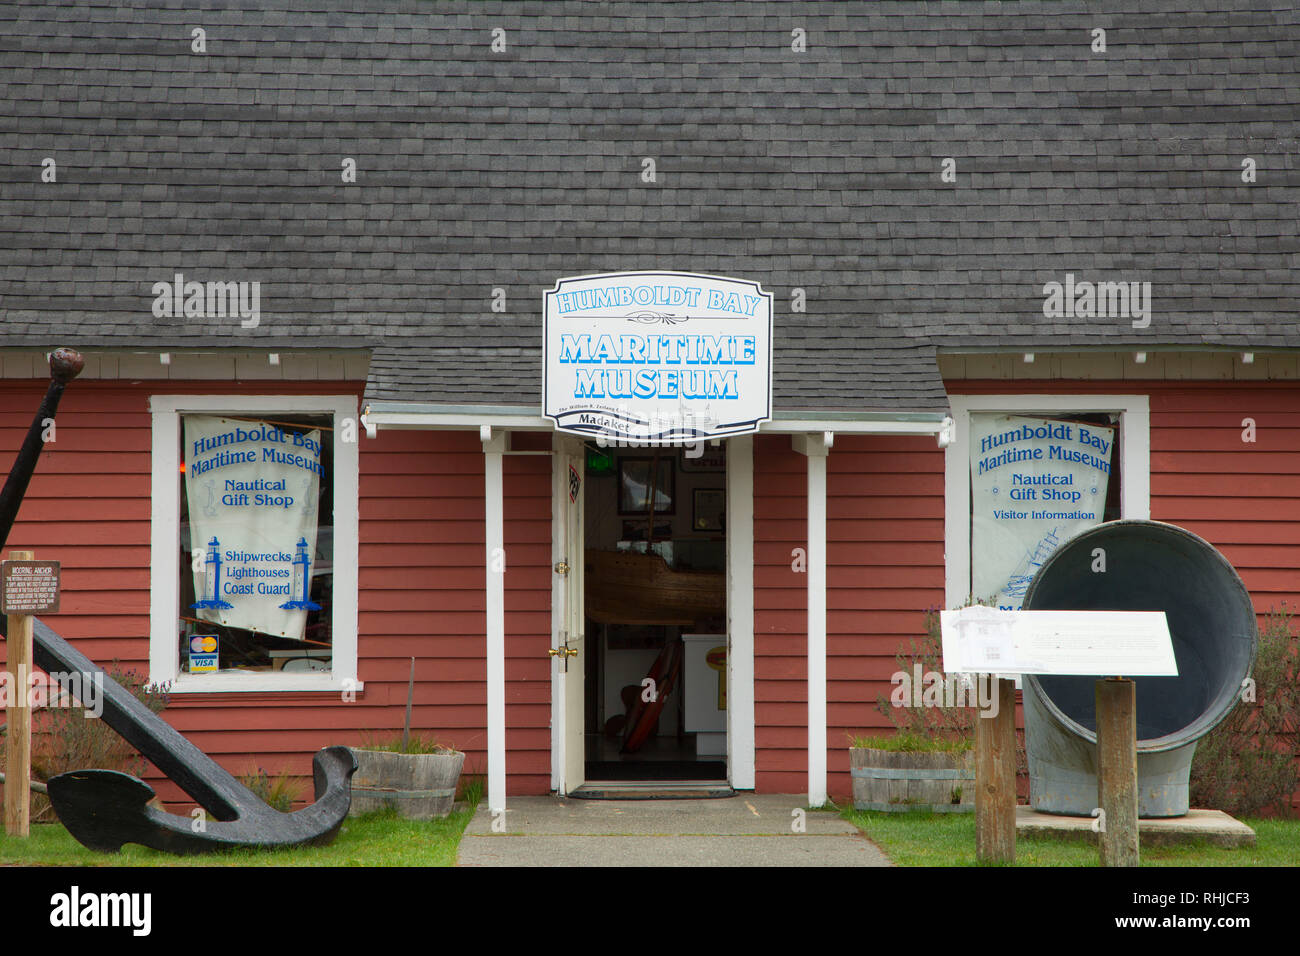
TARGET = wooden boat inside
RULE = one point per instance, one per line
(628, 587)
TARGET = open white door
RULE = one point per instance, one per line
(568, 619)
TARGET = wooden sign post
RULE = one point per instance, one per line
(1117, 777)
(26, 587)
(18, 734)
(994, 643)
(995, 777)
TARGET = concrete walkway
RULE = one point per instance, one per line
(745, 830)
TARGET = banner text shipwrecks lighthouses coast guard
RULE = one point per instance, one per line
(657, 356)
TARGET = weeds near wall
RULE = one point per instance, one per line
(936, 724)
(278, 792)
(64, 738)
(1247, 765)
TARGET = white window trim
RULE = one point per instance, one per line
(1135, 466)
(164, 585)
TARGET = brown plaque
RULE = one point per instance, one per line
(29, 587)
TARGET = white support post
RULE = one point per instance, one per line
(815, 447)
(740, 611)
(494, 446)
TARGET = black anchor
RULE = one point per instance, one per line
(104, 809)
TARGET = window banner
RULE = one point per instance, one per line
(253, 490)
(1035, 483)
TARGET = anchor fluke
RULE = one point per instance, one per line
(104, 809)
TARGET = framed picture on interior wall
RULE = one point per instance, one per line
(710, 509)
(634, 481)
(711, 458)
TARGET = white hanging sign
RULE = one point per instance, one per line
(659, 357)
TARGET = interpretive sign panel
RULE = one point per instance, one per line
(982, 640)
(29, 587)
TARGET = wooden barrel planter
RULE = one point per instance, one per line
(897, 781)
(418, 786)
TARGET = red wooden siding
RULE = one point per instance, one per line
(885, 552)
(885, 567)
(421, 574)
(421, 565)
(780, 618)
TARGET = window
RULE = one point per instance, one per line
(1127, 490)
(254, 543)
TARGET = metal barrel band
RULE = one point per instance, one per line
(402, 794)
(911, 773)
(927, 807)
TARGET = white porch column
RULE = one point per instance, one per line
(494, 446)
(815, 447)
(740, 611)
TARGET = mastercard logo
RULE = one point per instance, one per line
(203, 644)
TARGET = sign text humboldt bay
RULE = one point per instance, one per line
(659, 357)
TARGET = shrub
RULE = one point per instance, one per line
(278, 793)
(1246, 766)
(64, 738)
(929, 723)
(415, 744)
(935, 728)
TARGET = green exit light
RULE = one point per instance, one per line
(599, 463)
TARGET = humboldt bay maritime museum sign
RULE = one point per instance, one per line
(657, 356)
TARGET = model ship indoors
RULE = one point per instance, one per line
(628, 587)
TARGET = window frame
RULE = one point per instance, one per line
(164, 611)
(1135, 465)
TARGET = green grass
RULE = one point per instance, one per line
(415, 744)
(948, 839)
(376, 839)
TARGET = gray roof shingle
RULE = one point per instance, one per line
(816, 170)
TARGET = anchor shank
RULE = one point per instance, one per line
(190, 768)
(65, 364)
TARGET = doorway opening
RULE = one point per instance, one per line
(656, 615)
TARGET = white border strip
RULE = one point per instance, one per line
(516, 422)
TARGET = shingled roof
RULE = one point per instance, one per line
(481, 169)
